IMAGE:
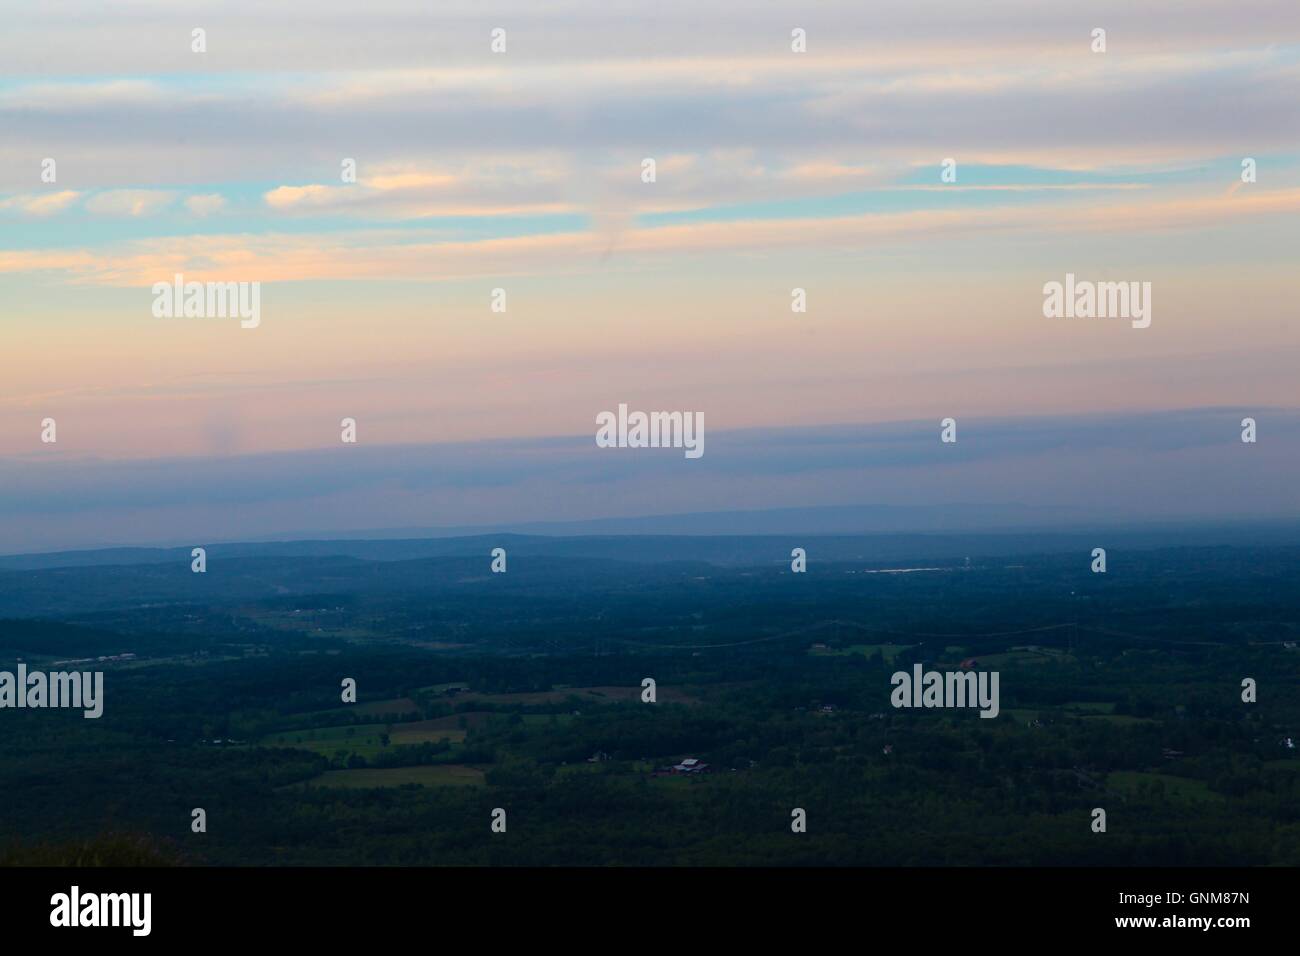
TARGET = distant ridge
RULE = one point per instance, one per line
(714, 538)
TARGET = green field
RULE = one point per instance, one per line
(1024, 655)
(364, 739)
(1089, 707)
(360, 739)
(395, 705)
(887, 651)
(534, 720)
(1132, 783)
(1122, 719)
(447, 775)
(590, 696)
(1022, 715)
(1100, 711)
(427, 731)
(443, 688)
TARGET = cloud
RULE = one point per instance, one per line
(40, 204)
(957, 86)
(130, 202)
(150, 37)
(487, 185)
(288, 197)
(55, 96)
(205, 205)
(376, 254)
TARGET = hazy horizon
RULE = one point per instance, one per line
(1173, 467)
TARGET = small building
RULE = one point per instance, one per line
(970, 663)
(690, 765)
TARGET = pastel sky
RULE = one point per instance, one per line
(522, 170)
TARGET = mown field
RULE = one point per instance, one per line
(445, 775)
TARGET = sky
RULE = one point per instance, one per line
(522, 170)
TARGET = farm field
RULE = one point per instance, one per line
(446, 775)
(1130, 783)
(363, 739)
(366, 740)
(397, 705)
(888, 652)
(592, 695)
(427, 731)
